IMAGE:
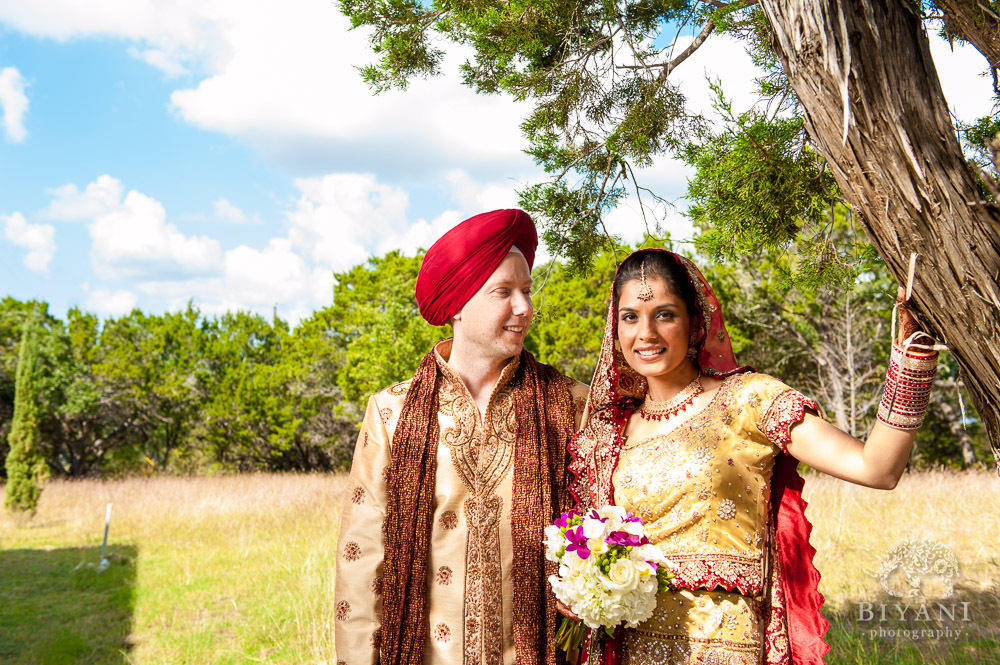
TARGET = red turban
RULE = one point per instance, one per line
(463, 259)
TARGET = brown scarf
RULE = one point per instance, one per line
(544, 413)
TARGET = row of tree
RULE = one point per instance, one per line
(190, 393)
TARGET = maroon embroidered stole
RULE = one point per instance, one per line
(545, 421)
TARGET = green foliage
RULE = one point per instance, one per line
(25, 464)
(593, 69)
(758, 185)
(378, 326)
(570, 310)
(181, 392)
(252, 419)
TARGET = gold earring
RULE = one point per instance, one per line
(645, 292)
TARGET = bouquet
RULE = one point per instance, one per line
(609, 573)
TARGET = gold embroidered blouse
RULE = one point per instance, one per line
(703, 491)
(471, 556)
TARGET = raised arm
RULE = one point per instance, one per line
(880, 460)
(358, 597)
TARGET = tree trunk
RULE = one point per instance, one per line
(874, 107)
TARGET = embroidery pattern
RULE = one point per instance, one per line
(352, 551)
(482, 452)
(400, 389)
(358, 495)
(448, 520)
(710, 571)
(787, 409)
(442, 633)
(727, 509)
(444, 576)
(343, 611)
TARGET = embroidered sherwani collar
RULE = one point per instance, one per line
(442, 354)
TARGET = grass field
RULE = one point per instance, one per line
(241, 570)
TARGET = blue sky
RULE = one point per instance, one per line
(227, 152)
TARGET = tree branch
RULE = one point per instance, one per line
(667, 67)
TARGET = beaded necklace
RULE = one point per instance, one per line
(653, 410)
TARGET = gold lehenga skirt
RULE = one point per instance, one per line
(704, 627)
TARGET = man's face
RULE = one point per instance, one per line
(496, 318)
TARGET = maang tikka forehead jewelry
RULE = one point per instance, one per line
(645, 292)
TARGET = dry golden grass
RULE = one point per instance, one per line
(854, 526)
(240, 569)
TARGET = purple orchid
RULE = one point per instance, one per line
(564, 519)
(626, 539)
(577, 542)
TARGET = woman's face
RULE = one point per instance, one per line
(654, 334)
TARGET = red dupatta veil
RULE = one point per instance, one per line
(796, 627)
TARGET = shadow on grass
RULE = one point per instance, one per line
(56, 607)
(963, 629)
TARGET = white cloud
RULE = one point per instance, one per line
(473, 195)
(253, 280)
(304, 105)
(38, 239)
(167, 35)
(130, 235)
(109, 303)
(135, 239)
(309, 105)
(227, 212)
(341, 218)
(721, 57)
(14, 103)
(166, 62)
(98, 198)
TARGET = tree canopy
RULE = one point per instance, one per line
(187, 393)
(848, 98)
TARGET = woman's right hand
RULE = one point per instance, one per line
(566, 612)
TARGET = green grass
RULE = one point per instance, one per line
(208, 571)
(226, 570)
(57, 610)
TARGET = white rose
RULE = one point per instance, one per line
(623, 576)
(572, 561)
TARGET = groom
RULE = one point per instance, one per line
(457, 471)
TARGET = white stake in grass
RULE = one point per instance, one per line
(107, 523)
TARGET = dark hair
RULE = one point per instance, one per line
(667, 268)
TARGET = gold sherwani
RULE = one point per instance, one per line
(470, 589)
(703, 491)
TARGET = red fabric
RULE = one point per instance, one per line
(463, 259)
(806, 625)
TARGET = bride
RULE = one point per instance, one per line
(705, 452)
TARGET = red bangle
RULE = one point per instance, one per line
(907, 393)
